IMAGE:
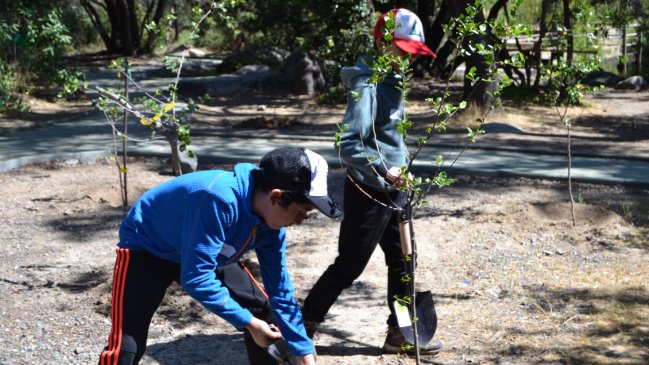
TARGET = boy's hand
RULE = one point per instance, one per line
(306, 359)
(394, 177)
(262, 333)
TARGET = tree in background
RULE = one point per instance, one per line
(33, 41)
(122, 24)
(333, 30)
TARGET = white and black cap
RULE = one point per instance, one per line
(300, 171)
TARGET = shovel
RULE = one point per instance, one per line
(422, 308)
(279, 351)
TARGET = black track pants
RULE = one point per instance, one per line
(139, 284)
(365, 225)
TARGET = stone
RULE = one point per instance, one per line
(636, 83)
(601, 77)
(303, 74)
(226, 84)
(187, 163)
(269, 56)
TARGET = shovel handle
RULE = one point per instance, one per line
(404, 234)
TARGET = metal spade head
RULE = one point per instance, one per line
(426, 319)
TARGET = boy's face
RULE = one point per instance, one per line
(397, 52)
(279, 216)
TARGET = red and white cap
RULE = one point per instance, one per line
(408, 32)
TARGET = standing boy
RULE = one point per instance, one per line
(194, 229)
(374, 152)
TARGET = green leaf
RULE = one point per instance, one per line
(441, 180)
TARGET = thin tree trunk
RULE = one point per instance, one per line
(124, 172)
(543, 29)
(126, 32)
(151, 36)
(567, 15)
(572, 199)
(495, 9)
(96, 22)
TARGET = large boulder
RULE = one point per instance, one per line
(251, 75)
(223, 85)
(601, 78)
(636, 83)
(186, 51)
(303, 74)
(269, 56)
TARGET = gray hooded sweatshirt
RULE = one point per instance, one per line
(371, 145)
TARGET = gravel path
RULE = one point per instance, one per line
(513, 281)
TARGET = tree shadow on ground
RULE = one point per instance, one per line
(221, 349)
(344, 345)
(179, 308)
(82, 225)
(85, 281)
(611, 324)
(347, 347)
(31, 120)
(616, 127)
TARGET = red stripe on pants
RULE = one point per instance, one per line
(110, 355)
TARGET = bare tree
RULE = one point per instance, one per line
(125, 34)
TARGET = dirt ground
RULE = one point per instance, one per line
(514, 281)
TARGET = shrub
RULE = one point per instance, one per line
(33, 41)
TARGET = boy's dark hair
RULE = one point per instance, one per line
(300, 174)
(264, 183)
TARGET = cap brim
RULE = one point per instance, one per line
(414, 47)
(326, 206)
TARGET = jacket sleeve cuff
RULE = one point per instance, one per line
(240, 320)
(382, 169)
(301, 348)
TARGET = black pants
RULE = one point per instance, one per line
(139, 284)
(366, 223)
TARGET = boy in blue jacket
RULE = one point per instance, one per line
(195, 228)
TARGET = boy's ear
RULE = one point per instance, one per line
(274, 195)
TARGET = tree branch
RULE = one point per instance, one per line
(96, 20)
(149, 8)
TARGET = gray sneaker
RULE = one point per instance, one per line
(395, 343)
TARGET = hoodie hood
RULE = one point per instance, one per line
(351, 76)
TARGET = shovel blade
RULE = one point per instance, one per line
(426, 319)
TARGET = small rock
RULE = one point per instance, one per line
(49, 284)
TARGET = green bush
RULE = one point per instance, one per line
(333, 30)
(33, 41)
(336, 95)
(8, 99)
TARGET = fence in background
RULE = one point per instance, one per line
(621, 48)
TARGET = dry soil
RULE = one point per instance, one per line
(514, 281)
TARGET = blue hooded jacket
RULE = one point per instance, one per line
(205, 219)
(371, 145)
